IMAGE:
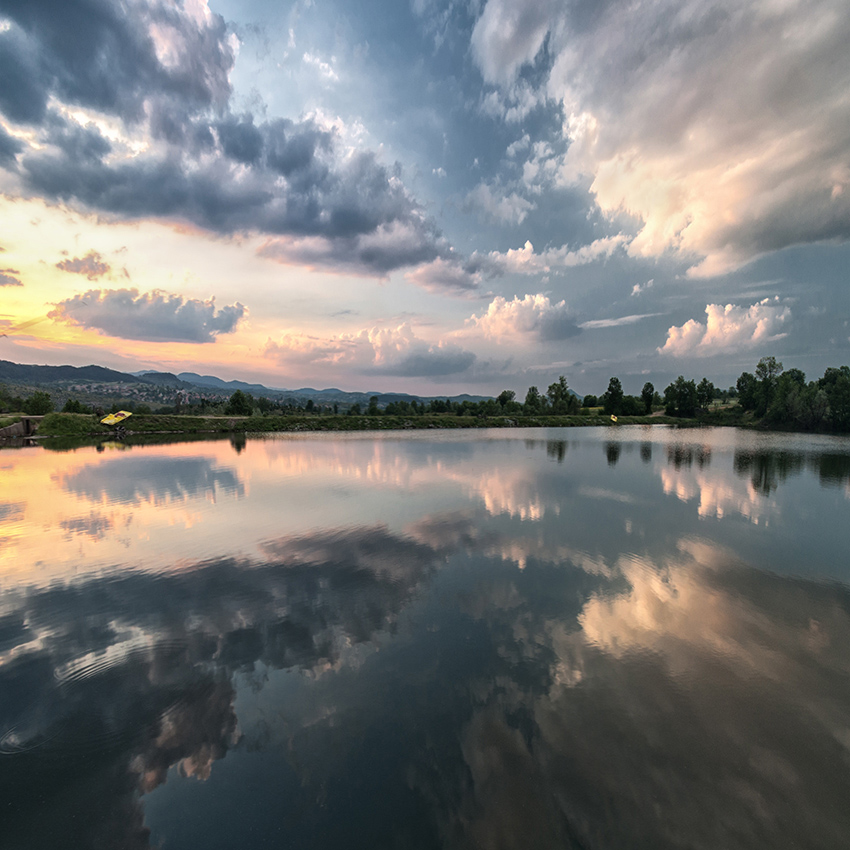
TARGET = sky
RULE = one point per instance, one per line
(426, 196)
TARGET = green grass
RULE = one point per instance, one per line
(82, 425)
(68, 425)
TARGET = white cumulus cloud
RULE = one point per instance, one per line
(728, 328)
(533, 315)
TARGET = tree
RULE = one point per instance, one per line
(747, 388)
(559, 395)
(532, 400)
(680, 397)
(590, 401)
(266, 405)
(836, 385)
(239, 404)
(647, 394)
(767, 375)
(612, 398)
(73, 405)
(705, 393)
(38, 404)
(373, 406)
(505, 396)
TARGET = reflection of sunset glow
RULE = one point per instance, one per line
(81, 511)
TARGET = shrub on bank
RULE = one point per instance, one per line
(68, 425)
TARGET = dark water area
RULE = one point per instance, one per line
(597, 638)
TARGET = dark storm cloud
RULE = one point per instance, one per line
(153, 316)
(392, 245)
(240, 189)
(163, 71)
(92, 265)
(10, 147)
(110, 56)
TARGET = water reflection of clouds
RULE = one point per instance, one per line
(113, 652)
(718, 493)
(11, 511)
(155, 480)
(386, 462)
(595, 698)
(706, 700)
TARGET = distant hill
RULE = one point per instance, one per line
(26, 375)
(218, 384)
(19, 373)
(164, 379)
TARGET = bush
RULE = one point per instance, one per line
(66, 425)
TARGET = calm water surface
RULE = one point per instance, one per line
(588, 638)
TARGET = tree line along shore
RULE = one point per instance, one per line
(770, 398)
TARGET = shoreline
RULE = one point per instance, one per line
(85, 426)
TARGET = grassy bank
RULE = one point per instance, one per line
(80, 425)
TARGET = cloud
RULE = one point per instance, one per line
(618, 322)
(379, 351)
(638, 288)
(10, 147)
(456, 275)
(724, 128)
(125, 111)
(92, 265)
(453, 276)
(9, 277)
(728, 328)
(325, 69)
(390, 246)
(152, 316)
(525, 261)
(533, 315)
(501, 208)
(508, 35)
(112, 57)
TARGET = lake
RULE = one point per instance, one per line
(615, 637)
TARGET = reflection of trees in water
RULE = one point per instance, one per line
(556, 449)
(612, 452)
(833, 469)
(646, 452)
(768, 468)
(685, 455)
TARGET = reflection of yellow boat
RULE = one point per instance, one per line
(115, 418)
